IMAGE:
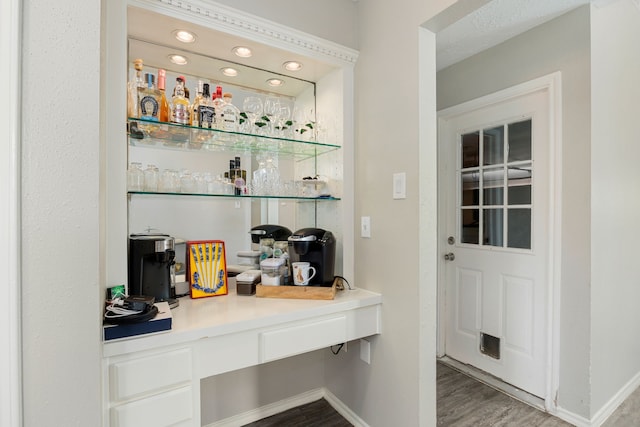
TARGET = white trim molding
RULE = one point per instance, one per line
(10, 303)
(290, 403)
(214, 15)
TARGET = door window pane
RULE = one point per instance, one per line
(470, 226)
(470, 189)
(493, 146)
(470, 150)
(492, 227)
(520, 195)
(520, 141)
(519, 184)
(519, 228)
(496, 186)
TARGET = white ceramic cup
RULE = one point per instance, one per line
(302, 273)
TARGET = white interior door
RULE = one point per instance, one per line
(494, 189)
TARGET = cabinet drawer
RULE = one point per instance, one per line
(131, 378)
(284, 342)
(173, 408)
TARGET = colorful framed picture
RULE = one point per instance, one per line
(207, 268)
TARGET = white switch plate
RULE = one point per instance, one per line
(365, 226)
(400, 185)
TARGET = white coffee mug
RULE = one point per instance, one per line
(302, 273)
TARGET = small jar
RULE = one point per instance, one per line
(151, 175)
(135, 177)
(187, 183)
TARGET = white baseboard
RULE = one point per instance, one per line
(344, 410)
(609, 408)
(289, 403)
(571, 418)
(271, 409)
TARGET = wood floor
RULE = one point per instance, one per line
(462, 402)
(314, 414)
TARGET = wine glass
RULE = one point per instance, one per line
(271, 110)
(253, 107)
(284, 120)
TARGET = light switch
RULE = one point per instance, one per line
(365, 226)
(400, 185)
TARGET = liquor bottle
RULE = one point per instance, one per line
(184, 85)
(230, 114)
(164, 104)
(240, 177)
(149, 100)
(132, 90)
(206, 113)
(196, 103)
(218, 103)
(180, 107)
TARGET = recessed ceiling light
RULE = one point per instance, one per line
(228, 71)
(178, 59)
(242, 51)
(184, 36)
(275, 82)
(292, 66)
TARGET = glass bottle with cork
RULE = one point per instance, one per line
(196, 103)
(132, 90)
(149, 100)
(164, 104)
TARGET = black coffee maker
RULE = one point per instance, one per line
(151, 257)
(317, 247)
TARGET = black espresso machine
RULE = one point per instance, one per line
(151, 257)
(317, 247)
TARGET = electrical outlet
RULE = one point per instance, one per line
(365, 351)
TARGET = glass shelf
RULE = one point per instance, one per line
(231, 196)
(143, 133)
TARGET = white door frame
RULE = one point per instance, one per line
(10, 303)
(552, 84)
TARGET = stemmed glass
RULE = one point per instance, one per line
(253, 108)
(271, 110)
(284, 120)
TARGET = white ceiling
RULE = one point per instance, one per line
(494, 23)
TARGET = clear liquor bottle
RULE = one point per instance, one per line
(206, 112)
(218, 103)
(149, 100)
(132, 90)
(180, 107)
(230, 114)
(196, 102)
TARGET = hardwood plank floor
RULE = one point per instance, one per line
(462, 402)
(314, 414)
(466, 402)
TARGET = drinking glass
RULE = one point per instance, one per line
(271, 110)
(253, 108)
(284, 120)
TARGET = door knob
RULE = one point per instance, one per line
(449, 257)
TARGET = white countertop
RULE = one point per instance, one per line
(208, 317)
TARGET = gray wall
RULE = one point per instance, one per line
(398, 387)
(559, 45)
(615, 205)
